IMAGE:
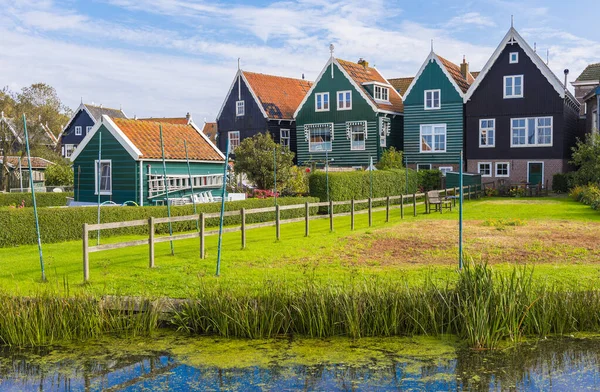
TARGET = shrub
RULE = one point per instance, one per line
(297, 184)
(588, 194)
(517, 192)
(59, 175)
(66, 224)
(563, 182)
(429, 180)
(390, 159)
(491, 192)
(43, 199)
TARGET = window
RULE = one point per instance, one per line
(423, 166)
(240, 108)
(68, 150)
(433, 138)
(381, 93)
(384, 132)
(344, 101)
(502, 169)
(322, 102)
(88, 129)
(432, 99)
(533, 131)
(234, 140)
(105, 181)
(485, 169)
(445, 169)
(319, 137)
(487, 133)
(358, 134)
(284, 138)
(513, 86)
(78, 130)
(514, 58)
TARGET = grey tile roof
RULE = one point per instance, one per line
(98, 111)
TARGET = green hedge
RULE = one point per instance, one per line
(43, 199)
(429, 180)
(563, 182)
(65, 224)
(356, 185)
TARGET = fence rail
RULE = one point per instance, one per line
(405, 202)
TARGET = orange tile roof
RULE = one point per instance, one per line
(167, 120)
(279, 96)
(401, 84)
(362, 74)
(454, 71)
(145, 135)
(210, 130)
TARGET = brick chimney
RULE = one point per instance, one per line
(363, 62)
(464, 68)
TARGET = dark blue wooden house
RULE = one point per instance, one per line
(82, 122)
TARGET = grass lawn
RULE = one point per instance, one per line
(560, 237)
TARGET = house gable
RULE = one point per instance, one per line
(432, 76)
(82, 119)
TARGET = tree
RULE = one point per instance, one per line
(586, 157)
(390, 159)
(59, 174)
(254, 158)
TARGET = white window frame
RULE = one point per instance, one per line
(351, 134)
(484, 163)
(384, 132)
(346, 104)
(432, 92)
(507, 169)
(282, 138)
(445, 169)
(516, 58)
(433, 127)
(96, 169)
(423, 164)
(378, 93)
(88, 129)
(240, 108)
(231, 136)
(308, 128)
(322, 96)
(78, 130)
(487, 129)
(68, 150)
(536, 134)
(513, 95)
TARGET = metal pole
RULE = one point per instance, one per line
(460, 214)
(37, 223)
(222, 210)
(327, 175)
(275, 174)
(21, 171)
(371, 177)
(162, 150)
(191, 180)
(99, 182)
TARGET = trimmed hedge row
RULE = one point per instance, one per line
(356, 185)
(66, 224)
(43, 199)
(563, 182)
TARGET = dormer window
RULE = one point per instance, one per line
(432, 99)
(381, 93)
(514, 58)
(240, 108)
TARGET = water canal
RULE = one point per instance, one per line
(170, 361)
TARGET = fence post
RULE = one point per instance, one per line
(401, 206)
(277, 222)
(306, 219)
(352, 214)
(387, 209)
(243, 214)
(456, 194)
(86, 254)
(469, 192)
(414, 204)
(330, 215)
(202, 239)
(151, 240)
(370, 212)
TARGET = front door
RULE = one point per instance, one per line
(535, 172)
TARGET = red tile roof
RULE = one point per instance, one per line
(210, 130)
(36, 162)
(278, 96)
(361, 74)
(454, 71)
(401, 84)
(167, 120)
(145, 135)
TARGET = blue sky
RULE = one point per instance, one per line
(168, 57)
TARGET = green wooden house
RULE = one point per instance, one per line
(350, 114)
(434, 114)
(130, 166)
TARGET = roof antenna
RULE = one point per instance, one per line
(512, 21)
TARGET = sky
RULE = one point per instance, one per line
(164, 58)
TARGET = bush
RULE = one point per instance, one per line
(390, 159)
(491, 192)
(57, 175)
(587, 194)
(297, 184)
(43, 199)
(66, 224)
(429, 180)
(563, 182)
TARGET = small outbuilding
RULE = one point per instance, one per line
(128, 161)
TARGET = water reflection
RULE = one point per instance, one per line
(571, 364)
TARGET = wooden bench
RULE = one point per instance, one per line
(439, 202)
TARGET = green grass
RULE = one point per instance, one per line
(323, 257)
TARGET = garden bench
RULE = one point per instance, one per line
(439, 202)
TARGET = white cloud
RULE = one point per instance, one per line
(470, 19)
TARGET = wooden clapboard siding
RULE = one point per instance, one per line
(450, 113)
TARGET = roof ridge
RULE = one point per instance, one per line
(102, 107)
(277, 76)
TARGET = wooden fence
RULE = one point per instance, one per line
(410, 201)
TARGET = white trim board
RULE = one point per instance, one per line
(430, 59)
